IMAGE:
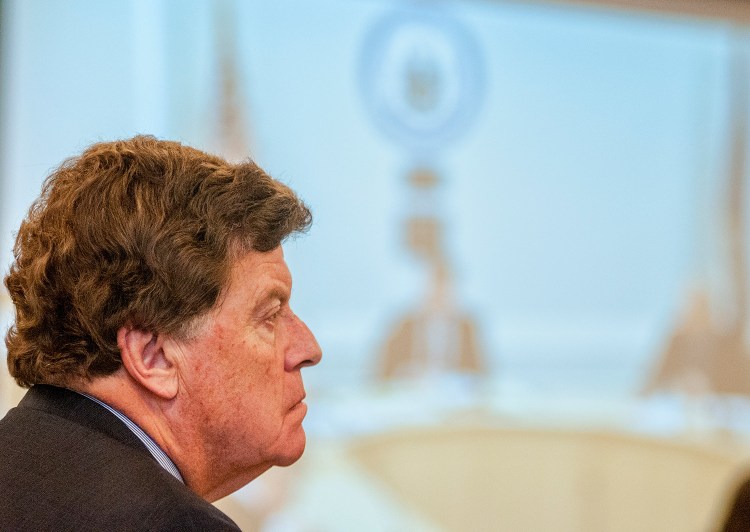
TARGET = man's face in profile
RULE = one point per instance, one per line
(244, 363)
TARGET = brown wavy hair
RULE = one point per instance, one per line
(139, 232)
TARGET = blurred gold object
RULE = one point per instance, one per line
(704, 356)
(436, 336)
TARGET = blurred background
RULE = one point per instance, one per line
(528, 267)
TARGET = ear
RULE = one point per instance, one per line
(148, 363)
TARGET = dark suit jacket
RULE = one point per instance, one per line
(738, 518)
(66, 463)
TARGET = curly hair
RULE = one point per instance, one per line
(139, 232)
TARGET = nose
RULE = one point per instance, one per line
(303, 349)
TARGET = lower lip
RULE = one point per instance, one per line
(301, 406)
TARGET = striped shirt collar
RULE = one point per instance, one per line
(156, 451)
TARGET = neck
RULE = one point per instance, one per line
(182, 443)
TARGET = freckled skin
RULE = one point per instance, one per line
(241, 384)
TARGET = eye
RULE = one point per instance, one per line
(271, 319)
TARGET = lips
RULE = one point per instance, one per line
(299, 402)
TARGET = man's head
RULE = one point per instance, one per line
(150, 274)
(140, 232)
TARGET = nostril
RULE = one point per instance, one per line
(308, 363)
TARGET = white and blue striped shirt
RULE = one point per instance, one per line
(150, 444)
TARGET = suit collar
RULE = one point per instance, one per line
(74, 407)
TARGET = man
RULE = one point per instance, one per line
(153, 327)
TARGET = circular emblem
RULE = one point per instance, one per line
(421, 77)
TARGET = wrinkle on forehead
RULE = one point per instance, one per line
(257, 278)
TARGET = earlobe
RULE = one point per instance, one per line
(148, 363)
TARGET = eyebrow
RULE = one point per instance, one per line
(277, 292)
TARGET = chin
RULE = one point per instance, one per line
(292, 451)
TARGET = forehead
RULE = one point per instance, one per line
(255, 273)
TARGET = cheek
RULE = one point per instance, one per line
(255, 371)
(241, 369)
